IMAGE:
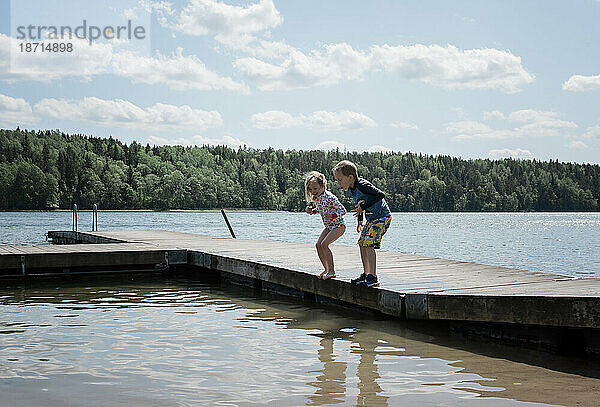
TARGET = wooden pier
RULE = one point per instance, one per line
(551, 310)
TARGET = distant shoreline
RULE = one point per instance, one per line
(145, 210)
(272, 211)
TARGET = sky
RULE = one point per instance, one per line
(471, 79)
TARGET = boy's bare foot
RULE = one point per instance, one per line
(323, 273)
(328, 275)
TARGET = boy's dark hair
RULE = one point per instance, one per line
(346, 168)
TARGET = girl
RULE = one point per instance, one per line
(332, 211)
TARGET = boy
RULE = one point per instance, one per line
(379, 217)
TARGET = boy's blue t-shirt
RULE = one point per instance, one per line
(374, 205)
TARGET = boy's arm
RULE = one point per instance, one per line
(373, 193)
(359, 225)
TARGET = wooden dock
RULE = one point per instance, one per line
(108, 257)
(495, 301)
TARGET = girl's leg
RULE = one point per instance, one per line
(333, 235)
(320, 251)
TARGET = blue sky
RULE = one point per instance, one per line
(472, 79)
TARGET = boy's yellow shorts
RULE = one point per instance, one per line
(373, 231)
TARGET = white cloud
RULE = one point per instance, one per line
(446, 67)
(122, 113)
(379, 149)
(225, 140)
(495, 114)
(84, 61)
(274, 119)
(322, 121)
(592, 132)
(162, 10)
(534, 123)
(580, 83)
(235, 27)
(15, 112)
(539, 123)
(241, 28)
(162, 141)
(246, 29)
(259, 48)
(452, 68)
(530, 116)
(199, 141)
(339, 121)
(130, 14)
(580, 145)
(298, 70)
(405, 125)
(508, 153)
(332, 145)
(211, 17)
(179, 72)
(467, 127)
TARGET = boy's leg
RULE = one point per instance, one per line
(364, 259)
(333, 235)
(369, 241)
(371, 260)
(320, 253)
(363, 242)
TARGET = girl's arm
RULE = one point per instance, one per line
(338, 207)
(311, 210)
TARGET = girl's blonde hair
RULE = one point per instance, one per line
(315, 176)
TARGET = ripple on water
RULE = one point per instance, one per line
(166, 343)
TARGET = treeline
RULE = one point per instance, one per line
(50, 169)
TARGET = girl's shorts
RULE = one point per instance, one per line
(334, 224)
(373, 231)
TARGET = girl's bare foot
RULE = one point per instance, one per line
(327, 275)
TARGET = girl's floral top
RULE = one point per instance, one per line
(331, 209)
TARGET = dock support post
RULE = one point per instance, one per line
(74, 217)
(23, 264)
(228, 224)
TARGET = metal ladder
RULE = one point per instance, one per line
(94, 218)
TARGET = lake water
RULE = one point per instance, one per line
(151, 341)
(558, 243)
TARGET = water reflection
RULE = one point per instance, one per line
(331, 380)
(187, 343)
(368, 375)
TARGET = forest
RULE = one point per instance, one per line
(45, 170)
